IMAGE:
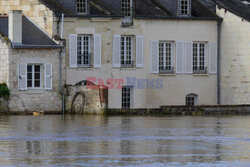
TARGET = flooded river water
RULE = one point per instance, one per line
(124, 141)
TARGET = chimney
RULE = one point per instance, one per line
(15, 26)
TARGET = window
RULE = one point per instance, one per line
(127, 51)
(199, 57)
(126, 97)
(126, 8)
(165, 57)
(84, 51)
(34, 76)
(184, 7)
(191, 100)
(81, 6)
(126, 12)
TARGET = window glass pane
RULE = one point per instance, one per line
(29, 83)
(29, 68)
(37, 83)
(37, 75)
(37, 68)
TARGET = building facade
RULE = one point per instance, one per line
(29, 65)
(147, 53)
(235, 51)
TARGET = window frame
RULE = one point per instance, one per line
(86, 7)
(190, 103)
(167, 65)
(83, 49)
(125, 51)
(130, 8)
(33, 77)
(180, 8)
(197, 63)
(129, 102)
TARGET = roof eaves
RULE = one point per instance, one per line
(231, 10)
(28, 46)
(179, 18)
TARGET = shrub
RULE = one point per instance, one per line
(4, 90)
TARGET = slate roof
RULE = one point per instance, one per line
(32, 36)
(143, 8)
(238, 7)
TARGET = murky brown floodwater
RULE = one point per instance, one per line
(124, 141)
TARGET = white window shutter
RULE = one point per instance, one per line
(22, 77)
(154, 57)
(189, 57)
(48, 76)
(179, 57)
(97, 51)
(117, 51)
(213, 58)
(73, 50)
(139, 51)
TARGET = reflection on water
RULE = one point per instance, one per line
(124, 141)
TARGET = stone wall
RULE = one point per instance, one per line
(235, 60)
(33, 100)
(82, 100)
(36, 11)
(184, 110)
(4, 59)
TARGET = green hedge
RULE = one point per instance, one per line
(4, 90)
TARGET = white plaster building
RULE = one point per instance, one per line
(170, 43)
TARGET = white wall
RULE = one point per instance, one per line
(176, 86)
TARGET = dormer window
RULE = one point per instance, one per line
(81, 6)
(184, 7)
(126, 8)
(127, 12)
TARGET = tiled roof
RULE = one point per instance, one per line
(146, 8)
(32, 36)
(238, 7)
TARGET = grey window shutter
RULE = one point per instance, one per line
(73, 50)
(117, 51)
(179, 57)
(22, 77)
(139, 51)
(48, 76)
(97, 51)
(172, 55)
(189, 57)
(213, 58)
(154, 57)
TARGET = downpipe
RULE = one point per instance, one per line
(219, 62)
(61, 90)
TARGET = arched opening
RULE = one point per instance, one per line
(191, 99)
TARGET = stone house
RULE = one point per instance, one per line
(235, 51)
(148, 53)
(29, 64)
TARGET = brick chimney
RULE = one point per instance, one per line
(15, 26)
